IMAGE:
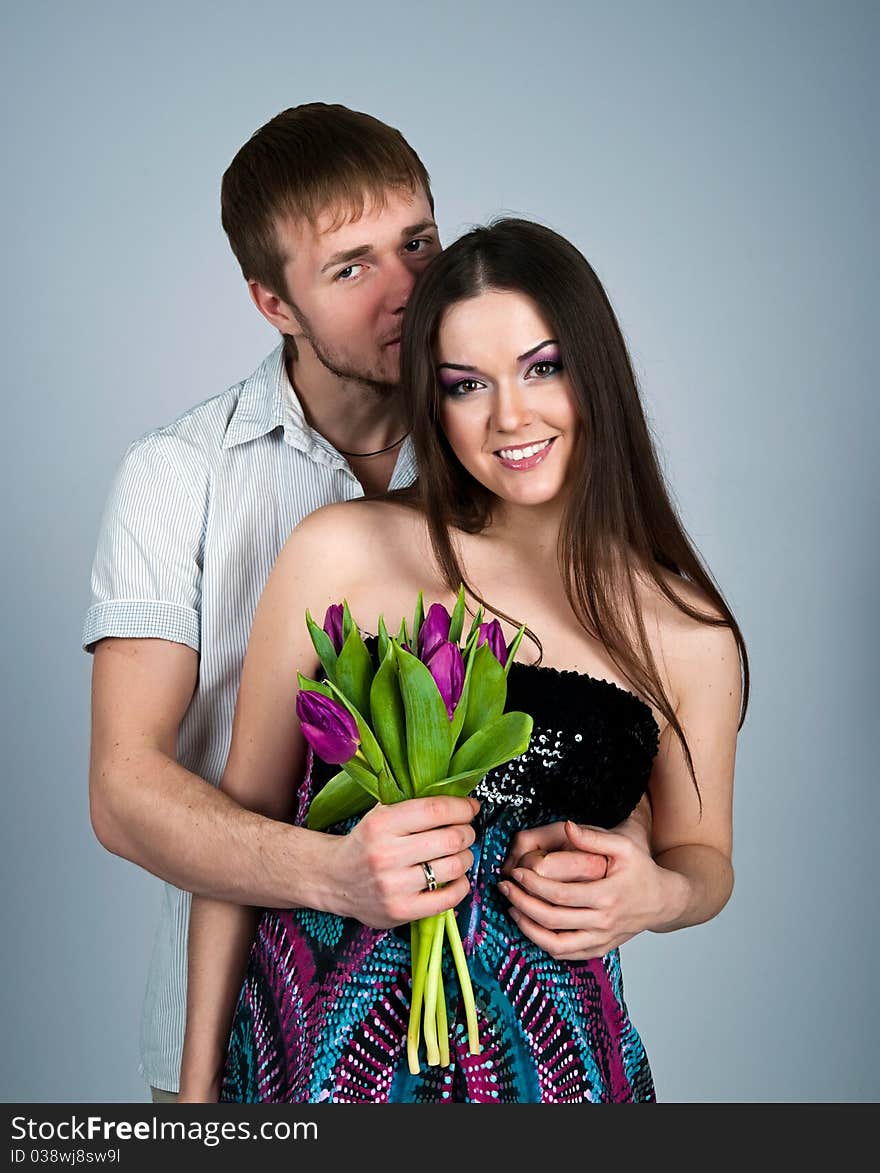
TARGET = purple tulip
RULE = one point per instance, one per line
(333, 626)
(434, 631)
(447, 667)
(328, 727)
(491, 634)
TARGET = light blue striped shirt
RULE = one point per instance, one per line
(196, 517)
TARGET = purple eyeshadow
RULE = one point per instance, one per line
(548, 354)
(450, 378)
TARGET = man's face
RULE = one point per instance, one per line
(349, 285)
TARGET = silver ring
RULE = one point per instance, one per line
(430, 878)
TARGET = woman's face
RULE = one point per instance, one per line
(506, 405)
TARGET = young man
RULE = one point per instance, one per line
(330, 215)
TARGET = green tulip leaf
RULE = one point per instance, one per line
(514, 647)
(389, 720)
(487, 694)
(307, 685)
(348, 624)
(455, 627)
(383, 638)
(460, 713)
(459, 785)
(475, 626)
(354, 671)
(427, 724)
(323, 645)
(418, 620)
(363, 777)
(507, 737)
(389, 791)
(342, 798)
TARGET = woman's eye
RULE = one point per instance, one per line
(347, 273)
(464, 387)
(545, 368)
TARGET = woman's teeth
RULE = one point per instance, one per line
(522, 453)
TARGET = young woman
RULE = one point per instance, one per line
(540, 490)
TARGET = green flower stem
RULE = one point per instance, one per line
(437, 933)
(467, 990)
(420, 947)
(442, 1025)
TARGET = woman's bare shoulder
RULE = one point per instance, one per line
(697, 648)
(351, 535)
(359, 519)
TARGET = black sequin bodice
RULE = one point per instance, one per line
(590, 756)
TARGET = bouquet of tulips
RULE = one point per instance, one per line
(424, 716)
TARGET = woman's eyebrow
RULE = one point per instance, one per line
(535, 349)
(454, 366)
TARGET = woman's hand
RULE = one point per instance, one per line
(578, 892)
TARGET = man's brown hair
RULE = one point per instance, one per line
(306, 161)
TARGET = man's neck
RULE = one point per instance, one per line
(354, 418)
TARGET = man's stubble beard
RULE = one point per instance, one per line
(336, 366)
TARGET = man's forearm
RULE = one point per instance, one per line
(149, 809)
(700, 884)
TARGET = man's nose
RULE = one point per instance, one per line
(401, 281)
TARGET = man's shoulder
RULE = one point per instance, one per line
(200, 430)
(199, 436)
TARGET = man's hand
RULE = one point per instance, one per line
(376, 874)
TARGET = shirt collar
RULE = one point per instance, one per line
(268, 401)
(260, 407)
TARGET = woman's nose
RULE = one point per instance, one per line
(511, 410)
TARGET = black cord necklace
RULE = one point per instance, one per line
(378, 451)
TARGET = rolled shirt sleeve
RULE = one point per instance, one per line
(147, 574)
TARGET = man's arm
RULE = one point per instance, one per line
(149, 809)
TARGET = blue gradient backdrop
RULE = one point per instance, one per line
(715, 162)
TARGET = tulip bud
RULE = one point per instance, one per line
(434, 631)
(447, 667)
(333, 626)
(328, 727)
(491, 634)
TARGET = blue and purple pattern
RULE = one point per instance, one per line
(322, 1015)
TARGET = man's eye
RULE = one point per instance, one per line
(419, 245)
(347, 273)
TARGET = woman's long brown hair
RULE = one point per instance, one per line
(619, 522)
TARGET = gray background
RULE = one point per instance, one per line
(714, 161)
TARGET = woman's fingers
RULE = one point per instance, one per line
(551, 837)
(563, 865)
(577, 945)
(567, 893)
(554, 914)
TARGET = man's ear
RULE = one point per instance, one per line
(276, 312)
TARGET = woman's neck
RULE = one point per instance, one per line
(533, 529)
